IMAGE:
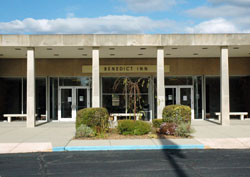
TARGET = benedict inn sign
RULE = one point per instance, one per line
(124, 68)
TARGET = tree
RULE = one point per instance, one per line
(132, 88)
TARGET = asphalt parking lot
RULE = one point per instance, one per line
(182, 163)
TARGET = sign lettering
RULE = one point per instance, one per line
(124, 68)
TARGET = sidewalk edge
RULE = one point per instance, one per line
(114, 148)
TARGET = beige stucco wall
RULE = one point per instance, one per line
(72, 67)
(44, 67)
(13, 67)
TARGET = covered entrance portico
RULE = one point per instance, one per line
(50, 56)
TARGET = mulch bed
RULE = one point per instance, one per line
(116, 136)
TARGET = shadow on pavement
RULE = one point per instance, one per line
(212, 121)
(42, 123)
(171, 156)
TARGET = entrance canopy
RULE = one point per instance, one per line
(124, 46)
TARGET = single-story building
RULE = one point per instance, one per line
(50, 77)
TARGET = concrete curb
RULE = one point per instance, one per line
(116, 148)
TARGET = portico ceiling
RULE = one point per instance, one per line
(125, 52)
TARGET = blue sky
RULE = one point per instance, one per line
(124, 16)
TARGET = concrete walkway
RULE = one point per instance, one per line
(212, 135)
(54, 136)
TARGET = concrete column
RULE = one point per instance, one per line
(31, 104)
(95, 78)
(160, 82)
(48, 99)
(151, 97)
(203, 98)
(224, 87)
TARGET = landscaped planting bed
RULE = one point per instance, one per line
(92, 123)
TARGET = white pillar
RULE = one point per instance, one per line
(48, 99)
(151, 97)
(31, 104)
(160, 82)
(95, 78)
(224, 87)
(203, 98)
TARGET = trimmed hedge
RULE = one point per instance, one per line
(131, 127)
(176, 114)
(95, 118)
(157, 123)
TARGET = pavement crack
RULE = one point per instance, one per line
(68, 142)
(42, 165)
(243, 144)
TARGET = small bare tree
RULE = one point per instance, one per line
(132, 88)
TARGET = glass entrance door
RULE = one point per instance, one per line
(182, 95)
(186, 96)
(66, 103)
(70, 100)
(81, 98)
(171, 93)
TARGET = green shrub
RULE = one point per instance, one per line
(95, 118)
(176, 114)
(126, 127)
(131, 127)
(183, 130)
(157, 123)
(84, 131)
(142, 128)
